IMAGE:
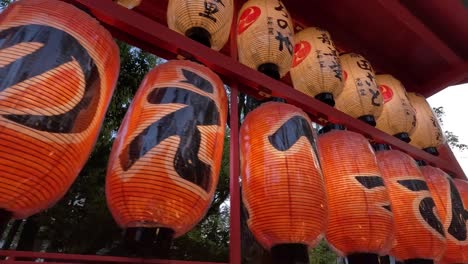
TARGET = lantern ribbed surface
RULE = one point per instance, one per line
(427, 132)
(361, 96)
(165, 162)
(59, 68)
(209, 20)
(418, 231)
(316, 67)
(398, 117)
(130, 4)
(265, 35)
(359, 218)
(282, 184)
(451, 199)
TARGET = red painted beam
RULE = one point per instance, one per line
(150, 32)
(29, 257)
(420, 29)
(452, 76)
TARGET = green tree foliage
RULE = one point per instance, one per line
(452, 139)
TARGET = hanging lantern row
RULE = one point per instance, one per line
(360, 221)
(165, 161)
(419, 233)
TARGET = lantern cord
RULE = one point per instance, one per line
(290, 254)
(360, 258)
(403, 136)
(5, 217)
(369, 119)
(326, 98)
(418, 261)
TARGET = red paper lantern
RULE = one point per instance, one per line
(282, 183)
(164, 165)
(419, 233)
(360, 222)
(448, 196)
(58, 69)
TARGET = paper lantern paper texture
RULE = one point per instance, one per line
(59, 68)
(361, 97)
(265, 35)
(316, 68)
(419, 232)
(207, 19)
(164, 165)
(448, 196)
(398, 117)
(427, 133)
(360, 219)
(282, 185)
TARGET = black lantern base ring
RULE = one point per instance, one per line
(149, 242)
(403, 136)
(200, 35)
(361, 258)
(290, 254)
(369, 119)
(326, 98)
(270, 69)
(432, 151)
(5, 217)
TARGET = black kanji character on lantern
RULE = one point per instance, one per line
(371, 182)
(199, 110)
(210, 10)
(220, 2)
(336, 68)
(364, 64)
(282, 23)
(375, 95)
(67, 50)
(426, 205)
(325, 39)
(284, 41)
(371, 78)
(281, 7)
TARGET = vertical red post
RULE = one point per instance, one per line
(234, 228)
(234, 188)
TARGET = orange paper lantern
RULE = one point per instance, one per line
(448, 196)
(398, 117)
(361, 97)
(419, 233)
(58, 69)
(282, 184)
(316, 68)
(164, 165)
(427, 135)
(360, 220)
(205, 21)
(265, 37)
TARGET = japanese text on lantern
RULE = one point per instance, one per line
(283, 35)
(367, 84)
(210, 8)
(333, 64)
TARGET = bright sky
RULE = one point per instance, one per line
(454, 100)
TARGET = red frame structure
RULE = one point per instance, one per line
(441, 54)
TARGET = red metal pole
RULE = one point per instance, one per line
(234, 228)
